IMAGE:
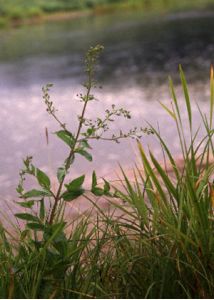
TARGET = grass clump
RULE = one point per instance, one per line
(172, 211)
(156, 242)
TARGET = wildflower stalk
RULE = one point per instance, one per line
(72, 151)
(78, 143)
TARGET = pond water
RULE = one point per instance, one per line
(140, 53)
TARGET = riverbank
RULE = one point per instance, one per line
(25, 13)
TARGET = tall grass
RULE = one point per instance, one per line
(156, 241)
(172, 210)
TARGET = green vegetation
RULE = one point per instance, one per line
(18, 11)
(157, 242)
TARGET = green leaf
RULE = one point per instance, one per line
(174, 98)
(27, 204)
(171, 113)
(148, 168)
(84, 153)
(27, 217)
(94, 180)
(42, 209)
(106, 187)
(74, 189)
(43, 179)
(97, 191)
(20, 188)
(85, 144)
(164, 176)
(66, 136)
(71, 195)
(75, 184)
(90, 131)
(36, 193)
(186, 94)
(117, 194)
(36, 226)
(61, 172)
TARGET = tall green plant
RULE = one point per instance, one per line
(78, 143)
(172, 209)
(49, 262)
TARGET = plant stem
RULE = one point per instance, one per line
(72, 151)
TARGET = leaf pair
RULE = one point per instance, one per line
(43, 179)
(97, 191)
(36, 193)
(67, 137)
(74, 189)
(33, 222)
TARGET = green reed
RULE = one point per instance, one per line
(172, 210)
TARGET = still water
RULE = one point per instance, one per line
(140, 53)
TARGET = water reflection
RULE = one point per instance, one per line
(139, 55)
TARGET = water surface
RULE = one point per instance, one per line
(140, 53)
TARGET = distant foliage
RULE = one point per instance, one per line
(24, 8)
(21, 9)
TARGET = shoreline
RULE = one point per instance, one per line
(58, 16)
(54, 17)
(6, 22)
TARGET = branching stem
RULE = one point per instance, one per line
(72, 151)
